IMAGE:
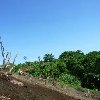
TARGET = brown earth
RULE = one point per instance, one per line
(17, 87)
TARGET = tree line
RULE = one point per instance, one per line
(72, 67)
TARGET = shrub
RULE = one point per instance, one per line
(69, 79)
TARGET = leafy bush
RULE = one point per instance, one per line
(69, 79)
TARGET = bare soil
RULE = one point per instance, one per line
(17, 87)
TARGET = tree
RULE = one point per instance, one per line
(90, 61)
(73, 61)
(91, 65)
(48, 57)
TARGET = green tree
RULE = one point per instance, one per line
(91, 65)
(73, 61)
(48, 57)
(90, 61)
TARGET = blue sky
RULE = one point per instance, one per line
(33, 28)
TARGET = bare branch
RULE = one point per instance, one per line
(15, 58)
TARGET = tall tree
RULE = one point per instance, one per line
(48, 57)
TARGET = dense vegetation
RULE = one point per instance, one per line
(72, 68)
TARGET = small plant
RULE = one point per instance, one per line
(6, 55)
(6, 64)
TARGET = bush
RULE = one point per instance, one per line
(69, 79)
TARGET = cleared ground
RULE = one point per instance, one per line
(18, 87)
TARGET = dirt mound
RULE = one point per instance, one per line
(20, 88)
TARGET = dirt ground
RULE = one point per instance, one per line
(16, 87)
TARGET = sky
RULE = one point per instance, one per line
(33, 28)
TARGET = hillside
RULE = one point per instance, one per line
(18, 87)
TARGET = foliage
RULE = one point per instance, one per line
(91, 62)
(73, 61)
(48, 57)
(72, 67)
(69, 79)
(47, 69)
(92, 70)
